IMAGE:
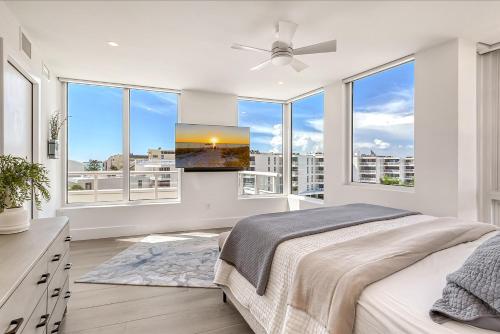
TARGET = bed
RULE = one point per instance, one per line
(399, 303)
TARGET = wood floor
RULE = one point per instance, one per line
(120, 309)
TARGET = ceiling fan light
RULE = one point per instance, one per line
(282, 60)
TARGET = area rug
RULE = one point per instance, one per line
(184, 259)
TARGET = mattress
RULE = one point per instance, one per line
(397, 304)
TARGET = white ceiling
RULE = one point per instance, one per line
(186, 45)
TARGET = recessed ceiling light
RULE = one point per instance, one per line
(113, 43)
(280, 82)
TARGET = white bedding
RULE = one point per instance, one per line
(384, 307)
(400, 303)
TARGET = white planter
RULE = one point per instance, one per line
(14, 220)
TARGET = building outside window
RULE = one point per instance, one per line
(307, 147)
(265, 120)
(96, 157)
(382, 127)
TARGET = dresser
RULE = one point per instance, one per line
(34, 277)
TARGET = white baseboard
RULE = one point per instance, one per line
(130, 230)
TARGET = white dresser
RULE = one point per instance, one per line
(34, 272)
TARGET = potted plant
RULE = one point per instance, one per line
(20, 181)
(56, 122)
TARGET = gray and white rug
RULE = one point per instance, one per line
(184, 259)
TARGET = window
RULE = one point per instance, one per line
(307, 146)
(152, 145)
(382, 127)
(97, 160)
(265, 120)
(95, 143)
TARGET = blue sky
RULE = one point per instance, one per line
(382, 120)
(95, 123)
(265, 120)
(307, 124)
(383, 106)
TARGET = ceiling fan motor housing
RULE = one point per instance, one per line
(282, 53)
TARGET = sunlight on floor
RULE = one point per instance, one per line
(200, 234)
(154, 238)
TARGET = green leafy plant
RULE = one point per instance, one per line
(75, 187)
(20, 181)
(56, 122)
(93, 166)
(388, 180)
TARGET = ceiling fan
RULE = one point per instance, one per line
(282, 52)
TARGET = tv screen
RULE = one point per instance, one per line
(211, 147)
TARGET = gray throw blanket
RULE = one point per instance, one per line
(472, 293)
(253, 241)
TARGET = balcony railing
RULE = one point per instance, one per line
(259, 183)
(107, 186)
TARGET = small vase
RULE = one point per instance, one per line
(14, 220)
(53, 149)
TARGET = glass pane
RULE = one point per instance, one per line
(152, 138)
(307, 147)
(265, 175)
(383, 116)
(94, 143)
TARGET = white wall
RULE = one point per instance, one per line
(48, 92)
(207, 199)
(445, 139)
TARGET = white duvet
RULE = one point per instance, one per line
(396, 304)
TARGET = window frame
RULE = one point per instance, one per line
(125, 201)
(349, 112)
(284, 150)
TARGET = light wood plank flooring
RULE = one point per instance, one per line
(120, 309)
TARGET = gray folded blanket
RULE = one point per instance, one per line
(251, 245)
(472, 293)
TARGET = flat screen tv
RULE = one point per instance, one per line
(211, 147)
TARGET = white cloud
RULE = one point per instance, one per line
(316, 124)
(307, 142)
(394, 117)
(263, 129)
(381, 120)
(274, 131)
(376, 144)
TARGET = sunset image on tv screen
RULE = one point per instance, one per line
(212, 146)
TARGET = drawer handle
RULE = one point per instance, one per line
(56, 293)
(67, 266)
(14, 326)
(57, 324)
(43, 279)
(43, 320)
(68, 238)
(67, 295)
(56, 258)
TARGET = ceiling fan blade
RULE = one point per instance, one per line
(248, 48)
(261, 65)
(298, 65)
(330, 46)
(285, 31)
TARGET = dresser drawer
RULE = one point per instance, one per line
(58, 312)
(57, 250)
(24, 299)
(37, 324)
(56, 285)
